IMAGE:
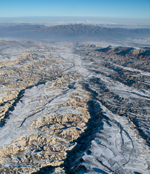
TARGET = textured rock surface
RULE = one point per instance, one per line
(74, 108)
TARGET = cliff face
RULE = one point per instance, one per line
(68, 108)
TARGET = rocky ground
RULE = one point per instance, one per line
(74, 108)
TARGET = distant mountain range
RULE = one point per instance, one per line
(41, 31)
(91, 29)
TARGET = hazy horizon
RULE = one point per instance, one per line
(48, 12)
(62, 20)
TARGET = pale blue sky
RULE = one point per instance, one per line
(93, 8)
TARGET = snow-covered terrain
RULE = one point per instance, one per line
(73, 108)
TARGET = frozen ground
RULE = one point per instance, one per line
(73, 108)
